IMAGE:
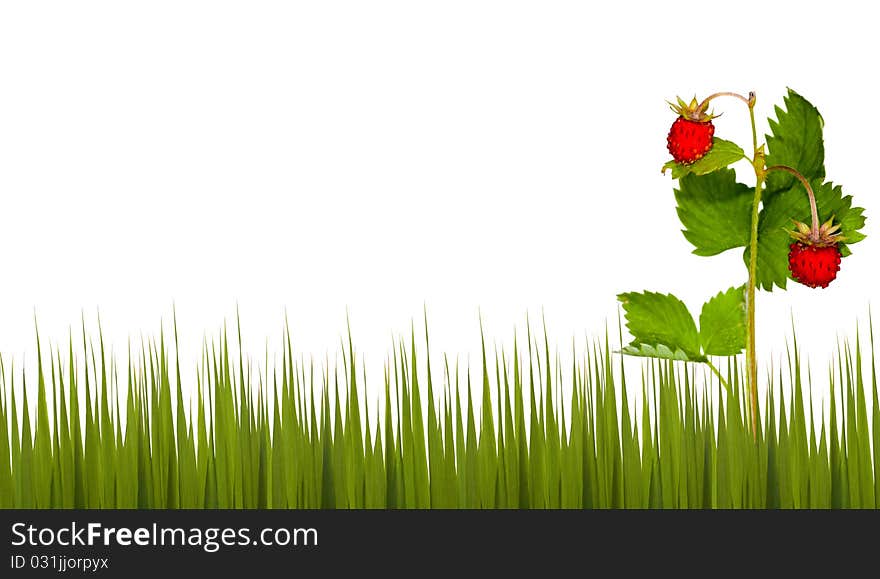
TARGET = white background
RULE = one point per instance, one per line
(384, 156)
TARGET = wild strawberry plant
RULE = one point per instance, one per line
(792, 224)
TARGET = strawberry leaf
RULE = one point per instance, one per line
(796, 141)
(775, 221)
(660, 324)
(722, 154)
(723, 323)
(715, 210)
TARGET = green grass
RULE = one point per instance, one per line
(497, 436)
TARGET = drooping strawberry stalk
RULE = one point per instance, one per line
(814, 256)
(767, 220)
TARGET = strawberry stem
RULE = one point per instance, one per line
(718, 374)
(750, 100)
(752, 117)
(751, 350)
(814, 211)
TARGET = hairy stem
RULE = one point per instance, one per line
(748, 100)
(814, 211)
(751, 358)
(751, 104)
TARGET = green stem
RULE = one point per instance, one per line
(717, 373)
(751, 357)
(751, 103)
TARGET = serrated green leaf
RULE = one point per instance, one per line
(661, 319)
(795, 141)
(723, 323)
(715, 211)
(776, 220)
(722, 154)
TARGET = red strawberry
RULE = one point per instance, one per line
(689, 141)
(813, 265)
(690, 137)
(814, 257)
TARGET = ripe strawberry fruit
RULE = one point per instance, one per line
(690, 137)
(814, 257)
(813, 265)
